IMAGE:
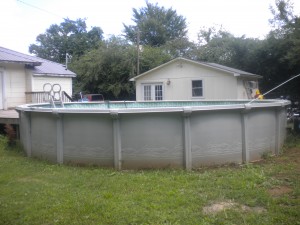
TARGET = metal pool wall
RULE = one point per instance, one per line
(178, 137)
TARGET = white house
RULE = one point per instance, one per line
(22, 78)
(184, 79)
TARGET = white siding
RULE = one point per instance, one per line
(1, 89)
(65, 83)
(15, 85)
(28, 81)
(17, 81)
(242, 94)
(216, 84)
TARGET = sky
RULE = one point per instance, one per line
(23, 20)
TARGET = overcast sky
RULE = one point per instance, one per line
(22, 20)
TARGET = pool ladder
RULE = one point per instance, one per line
(56, 102)
(54, 95)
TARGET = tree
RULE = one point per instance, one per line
(152, 57)
(156, 25)
(281, 49)
(215, 46)
(282, 15)
(107, 70)
(180, 47)
(287, 29)
(69, 37)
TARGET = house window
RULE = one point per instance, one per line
(197, 88)
(158, 92)
(147, 92)
(153, 92)
(252, 84)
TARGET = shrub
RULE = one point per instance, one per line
(10, 133)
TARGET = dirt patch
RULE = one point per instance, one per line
(279, 191)
(225, 205)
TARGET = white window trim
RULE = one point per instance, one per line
(152, 84)
(191, 89)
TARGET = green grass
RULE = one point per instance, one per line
(37, 192)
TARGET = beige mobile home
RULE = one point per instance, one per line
(22, 78)
(183, 79)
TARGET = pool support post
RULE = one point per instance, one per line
(278, 134)
(59, 139)
(187, 111)
(117, 140)
(25, 125)
(245, 147)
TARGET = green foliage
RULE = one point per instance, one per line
(267, 155)
(10, 134)
(180, 47)
(106, 70)
(283, 14)
(3, 142)
(292, 141)
(156, 25)
(151, 57)
(280, 51)
(69, 37)
(222, 47)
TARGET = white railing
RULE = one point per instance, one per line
(41, 97)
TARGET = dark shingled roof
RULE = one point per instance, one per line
(38, 65)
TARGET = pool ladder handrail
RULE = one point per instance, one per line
(54, 102)
(54, 93)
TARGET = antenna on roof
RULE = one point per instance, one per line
(68, 59)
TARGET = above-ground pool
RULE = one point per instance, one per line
(137, 135)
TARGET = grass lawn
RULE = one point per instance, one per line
(37, 192)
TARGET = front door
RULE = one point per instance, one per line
(1, 90)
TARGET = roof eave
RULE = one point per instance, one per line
(198, 63)
(22, 62)
(251, 76)
(153, 69)
(54, 75)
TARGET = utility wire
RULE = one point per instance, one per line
(33, 6)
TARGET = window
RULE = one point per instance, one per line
(197, 88)
(252, 84)
(158, 93)
(153, 92)
(147, 92)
